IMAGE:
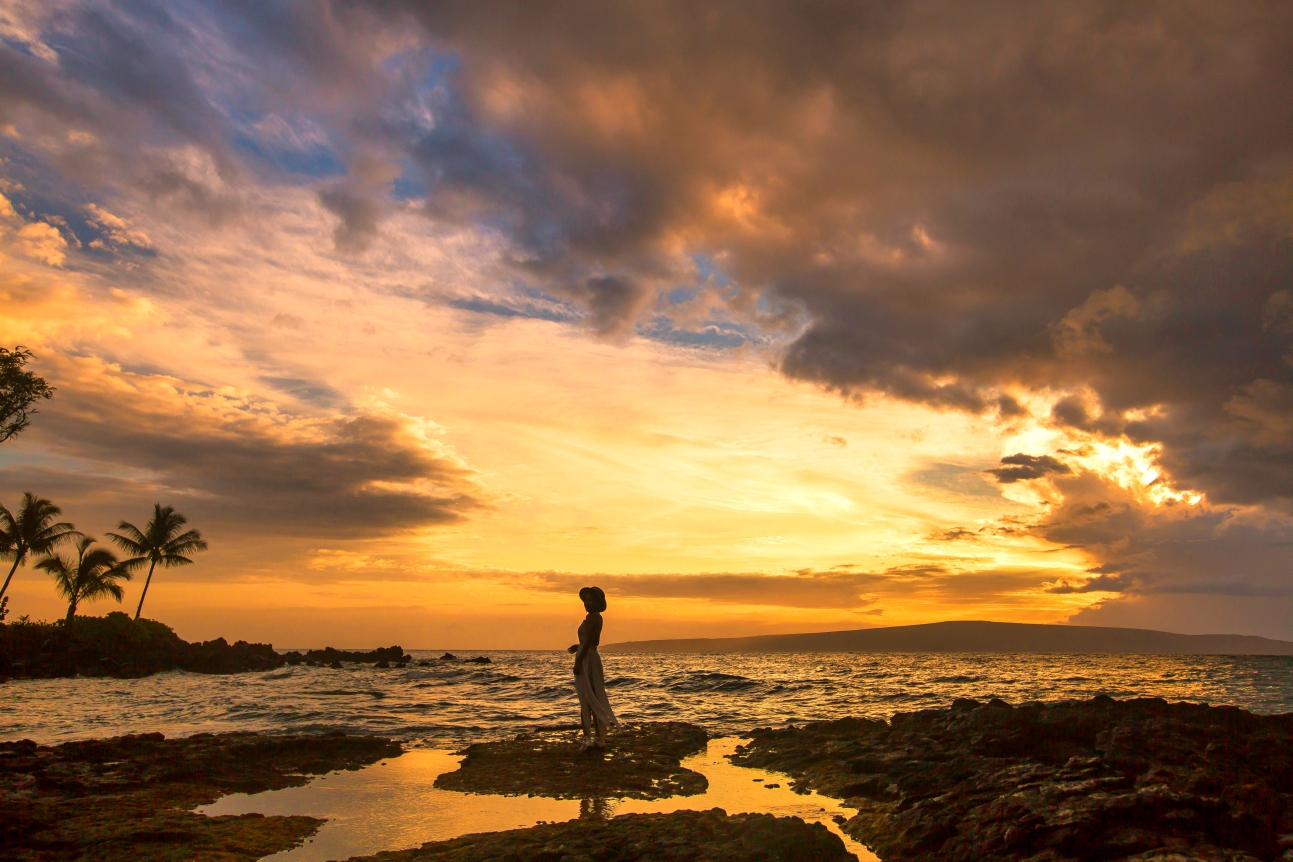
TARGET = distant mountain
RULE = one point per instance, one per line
(977, 636)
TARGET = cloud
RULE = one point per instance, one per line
(42, 242)
(114, 231)
(807, 588)
(811, 590)
(968, 206)
(358, 216)
(242, 460)
(1020, 467)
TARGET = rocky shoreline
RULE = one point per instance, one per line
(117, 646)
(643, 761)
(1086, 780)
(711, 836)
(1137, 780)
(131, 797)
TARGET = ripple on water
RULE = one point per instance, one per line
(724, 693)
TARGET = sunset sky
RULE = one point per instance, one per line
(763, 316)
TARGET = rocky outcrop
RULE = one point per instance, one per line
(118, 646)
(480, 659)
(1092, 780)
(641, 761)
(711, 836)
(128, 798)
(392, 655)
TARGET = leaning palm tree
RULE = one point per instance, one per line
(32, 531)
(92, 575)
(159, 542)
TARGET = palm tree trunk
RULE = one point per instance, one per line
(151, 566)
(71, 612)
(16, 560)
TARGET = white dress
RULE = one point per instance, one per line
(591, 686)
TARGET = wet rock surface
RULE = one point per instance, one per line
(129, 798)
(683, 835)
(1090, 780)
(641, 761)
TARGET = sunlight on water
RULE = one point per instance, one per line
(730, 694)
(393, 805)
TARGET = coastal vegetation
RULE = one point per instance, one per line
(31, 531)
(159, 542)
(19, 391)
(94, 573)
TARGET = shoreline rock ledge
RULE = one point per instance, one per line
(1100, 779)
(642, 760)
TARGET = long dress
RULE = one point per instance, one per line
(591, 686)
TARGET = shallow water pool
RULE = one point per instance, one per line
(393, 805)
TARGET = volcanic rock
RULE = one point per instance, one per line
(329, 655)
(708, 836)
(1083, 780)
(116, 645)
(128, 798)
(641, 761)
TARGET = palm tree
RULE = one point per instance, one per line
(92, 576)
(31, 532)
(159, 542)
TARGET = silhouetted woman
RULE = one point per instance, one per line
(590, 681)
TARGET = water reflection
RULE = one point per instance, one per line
(394, 805)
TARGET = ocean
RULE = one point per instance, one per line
(445, 704)
(438, 707)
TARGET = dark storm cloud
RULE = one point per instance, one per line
(1172, 549)
(239, 462)
(961, 204)
(1026, 195)
(1020, 467)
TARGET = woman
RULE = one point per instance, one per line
(590, 683)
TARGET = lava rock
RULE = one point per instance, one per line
(641, 761)
(329, 655)
(705, 836)
(1098, 779)
(130, 797)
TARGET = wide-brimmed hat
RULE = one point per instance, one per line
(595, 596)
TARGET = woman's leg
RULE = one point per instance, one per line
(601, 731)
(586, 719)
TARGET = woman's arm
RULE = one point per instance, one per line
(591, 639)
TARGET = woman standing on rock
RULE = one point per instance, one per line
(590, 682)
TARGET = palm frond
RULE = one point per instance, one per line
(130, 539)
(64, 574)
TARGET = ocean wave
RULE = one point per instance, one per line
(521, 690)
(713, 681)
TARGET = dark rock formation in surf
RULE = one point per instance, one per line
(711, 836)
(1081, 780)
(118, 646)
(129, 798)
(641, 761)
(392, 655)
